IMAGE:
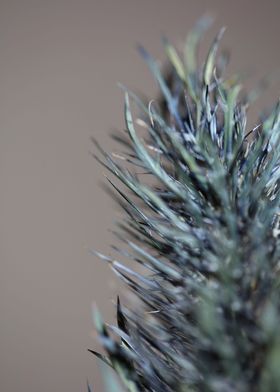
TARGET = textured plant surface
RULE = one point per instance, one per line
(206, 231)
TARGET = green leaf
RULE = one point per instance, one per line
(175, 59)
(110, 380)
(210, 60)
(191, 54)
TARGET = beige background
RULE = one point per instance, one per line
(59, 65)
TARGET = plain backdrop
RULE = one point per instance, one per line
(60, 62)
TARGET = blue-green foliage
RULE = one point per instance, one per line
(207, 233)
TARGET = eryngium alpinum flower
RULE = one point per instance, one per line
(206, 232)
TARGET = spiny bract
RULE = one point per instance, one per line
(207, 235)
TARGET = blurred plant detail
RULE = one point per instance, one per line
(205, 233)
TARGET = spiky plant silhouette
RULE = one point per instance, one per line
(206, 232)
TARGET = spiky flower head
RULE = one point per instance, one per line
(205, 227)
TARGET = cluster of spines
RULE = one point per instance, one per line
(207, 235)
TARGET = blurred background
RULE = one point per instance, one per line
(60, 61)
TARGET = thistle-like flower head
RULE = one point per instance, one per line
(203, 222)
